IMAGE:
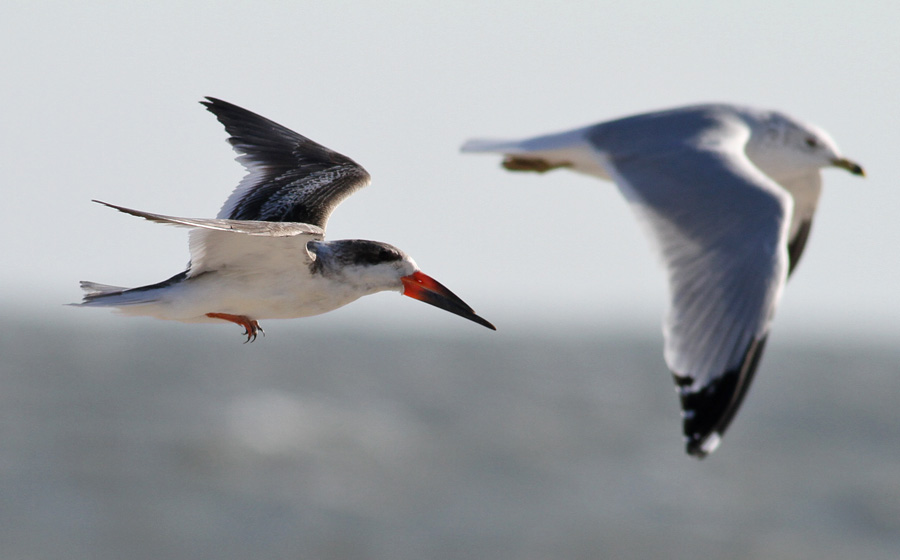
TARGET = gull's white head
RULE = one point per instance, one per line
(784, 147)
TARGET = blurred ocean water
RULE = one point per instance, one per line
(134, 440)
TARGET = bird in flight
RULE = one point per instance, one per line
(264, 256)
(728, 194)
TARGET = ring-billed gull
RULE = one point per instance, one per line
(729, 195)
(264, 256)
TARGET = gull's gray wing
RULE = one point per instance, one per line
(290, 178)
(721, 227)
(240, 244)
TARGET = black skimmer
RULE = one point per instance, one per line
(729, 194)
(264, 256)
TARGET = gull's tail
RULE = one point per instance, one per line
(542, 153)
(478, 145)
(546, 144)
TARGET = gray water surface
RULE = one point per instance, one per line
(143, 440)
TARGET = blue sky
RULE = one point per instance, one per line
(100, 101)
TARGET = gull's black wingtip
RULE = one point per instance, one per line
(708, 412)
(700, 448)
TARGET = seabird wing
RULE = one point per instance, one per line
(806, 190)
(721, 226)
(290, 178)
(240, 244)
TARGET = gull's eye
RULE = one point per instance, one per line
(811, 142)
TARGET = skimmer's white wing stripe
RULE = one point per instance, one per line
(213, 250)
(247, 227)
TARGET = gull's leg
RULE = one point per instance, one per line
(251, 327)
(523, 163)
